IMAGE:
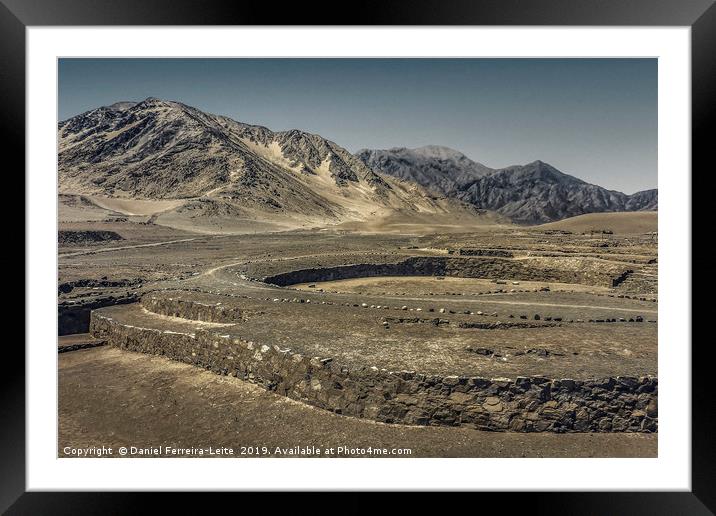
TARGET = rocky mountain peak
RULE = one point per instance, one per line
(162, 149)
(122, 105)
(155, 101)
(439, 152)
(159, 149)
(533, 193)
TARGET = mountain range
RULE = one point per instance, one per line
(221, 169)
(532, 193)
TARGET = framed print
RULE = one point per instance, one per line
(451, 241)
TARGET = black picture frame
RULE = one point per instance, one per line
(700, 15)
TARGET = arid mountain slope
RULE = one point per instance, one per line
(532, 193)
(620, 223)
(227, 171)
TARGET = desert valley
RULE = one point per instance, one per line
(221, 282)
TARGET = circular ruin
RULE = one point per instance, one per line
(525, 345)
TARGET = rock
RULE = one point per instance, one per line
(542, 426)
(604, 425)
(648, 425)
(523, 382)
(619, 424)
(493, 404)
(568, 384)
(451, 380)
(461, 398)
(540, 352)
(480, 351)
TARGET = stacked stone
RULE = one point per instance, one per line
(535, 404)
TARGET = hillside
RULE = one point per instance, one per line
(191, 169)
(532, 193)
(621, 223)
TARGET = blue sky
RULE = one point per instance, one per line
(593, 118)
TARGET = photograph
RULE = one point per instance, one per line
(378, 257)
(427, 248)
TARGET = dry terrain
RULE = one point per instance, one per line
(129, 399)
(496, 301)
(224, 284)
(623, 223)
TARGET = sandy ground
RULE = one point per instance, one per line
(444, 286)
(109, 397)
(115, 398)
(620, 222)
(135, 206)
(419, 224)
(355, 336)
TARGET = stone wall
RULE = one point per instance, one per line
(523, 404)
(74, 316)
(621, 278)
(70, 237)
(464, 267)
(194, 310)
(464, 251)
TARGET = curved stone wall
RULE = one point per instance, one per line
(484, 252)
(74, 316)
(194, 310)
(464, 267)
(525, 404)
